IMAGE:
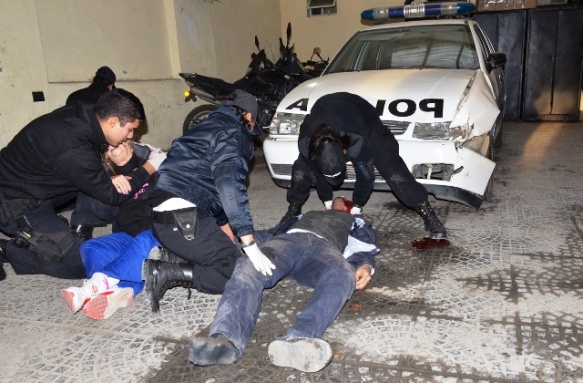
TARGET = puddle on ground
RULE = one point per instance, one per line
(429, 243)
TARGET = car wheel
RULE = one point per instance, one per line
(498, 140)
(489, 192)
(197, 115)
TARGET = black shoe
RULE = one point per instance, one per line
(160, 276)
(163, 254)
(216, 349)
(294, 209)
(84, 232)
(433, 225)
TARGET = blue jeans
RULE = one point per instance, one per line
(306, 258)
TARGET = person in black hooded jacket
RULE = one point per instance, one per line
(345, 127)
(56, 155)
(103, 82)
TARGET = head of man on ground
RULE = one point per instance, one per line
(342, 204)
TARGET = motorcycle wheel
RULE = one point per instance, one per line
(197, 115)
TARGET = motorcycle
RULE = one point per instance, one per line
(315, 67)
(267, 81)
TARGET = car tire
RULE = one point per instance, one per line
(498, 140)
(197, 115)
(489, 192)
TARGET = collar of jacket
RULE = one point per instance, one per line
(231, 113)
(97, 136)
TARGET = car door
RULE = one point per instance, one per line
(495, 75)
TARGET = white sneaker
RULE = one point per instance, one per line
(106, 304)
(304, 354)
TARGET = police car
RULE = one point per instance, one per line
(438, 86)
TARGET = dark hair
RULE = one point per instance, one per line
(325, 133)
(240, 112)
(121, 104)
(98, 80)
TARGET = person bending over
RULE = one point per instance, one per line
(345, 127)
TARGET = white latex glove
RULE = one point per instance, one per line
(156, 158)
(355, 210)
(259, 260)
(328, 204)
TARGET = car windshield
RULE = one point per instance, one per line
(431, 46)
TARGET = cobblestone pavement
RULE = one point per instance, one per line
(503, 303)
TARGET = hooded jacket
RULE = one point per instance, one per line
(351, 115)
(60, 153)
(209, 165)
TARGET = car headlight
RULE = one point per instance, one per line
(441, 131)
(286, 123)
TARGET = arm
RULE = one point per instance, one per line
(361, 250)
(82, 167)
(230, 170)
(363, 276)
(364, 183)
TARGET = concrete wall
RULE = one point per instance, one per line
(328, 32)
(55, 46)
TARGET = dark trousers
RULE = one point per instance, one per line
(385, 157)
(394, 170)
(47, 227)
(91, 212)
(211, 252)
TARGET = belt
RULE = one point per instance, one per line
(167, 217)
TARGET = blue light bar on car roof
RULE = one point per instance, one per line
(418, 10)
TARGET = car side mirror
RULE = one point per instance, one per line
(496, 59)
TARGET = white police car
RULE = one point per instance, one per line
(438, 86)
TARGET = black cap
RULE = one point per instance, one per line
(107, 74)
(331, 162)
(244, 101)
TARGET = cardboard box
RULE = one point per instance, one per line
(542, 3)
(506, 5)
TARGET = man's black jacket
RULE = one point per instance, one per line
(349, 114)
(60, 153)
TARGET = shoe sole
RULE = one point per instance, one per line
(305, 354)
(106, 304)
(148, 278)
(70, 298)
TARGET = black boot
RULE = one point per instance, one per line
(160, 276)
(84, 232)
(433, 225)
(294, 209)
(163, 254)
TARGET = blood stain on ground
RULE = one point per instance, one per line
(429, 243)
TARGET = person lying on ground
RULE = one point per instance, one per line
(114, 264)
(312, 249)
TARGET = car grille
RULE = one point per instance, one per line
(286, 170)
(351, 174)
(282, 169)
(396, 127)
